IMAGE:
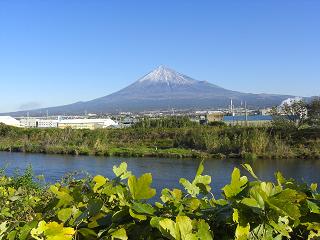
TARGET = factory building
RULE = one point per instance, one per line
(87, 123)
(81, 123)
(251, 120)
(215, 116)
(44, 123)
(7, 120)
(28, 122)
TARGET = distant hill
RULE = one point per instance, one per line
(163, 89)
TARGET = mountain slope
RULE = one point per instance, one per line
(161, 89)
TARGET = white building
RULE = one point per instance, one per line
(28, 122)
(87, 123)
(266, 111)
(79, 123)
(45, 123)
(38, 123)
(7, 120)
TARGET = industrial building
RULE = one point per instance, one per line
(215, 116)
(38, 123)
(28, 122)
(87, 123)
(45, 123)
(79, 123)
(251, 120)
(7, 120)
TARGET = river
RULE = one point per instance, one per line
(166, 172)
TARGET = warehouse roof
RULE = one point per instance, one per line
(249, 118)
(9, 121)
(104, 121)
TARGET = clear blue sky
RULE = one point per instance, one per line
(56, 52)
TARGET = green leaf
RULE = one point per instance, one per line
(25, 230)
(257, 196)
(12, 235)
(184, 225)
(237, 184)
(249, 169)
(280, 179)
(140, 188)
(168, 228)
(119, 234)
(267, 189)
(100, 181)
(64, 214)
(182, 228)
(137, 216)
(167, 195)
(143, 208)
(203, 231)
(192, 204)
(235, 215)
(121, 171)
(243, 228)
(200, 169)
(313, 234)
(3, 228)
(192, 189)
(203, 183)
(62, 194)
(242, 232)
(87, 233)
(314, 187)
(285, 203)
(250, 202)
(314, 208)
(154, 222)
(255, 200)
(282, 226)
(52, 231)
(94, 206)
(199, 184)
(120, 216)
(104, 220)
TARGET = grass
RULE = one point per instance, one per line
(185, 142)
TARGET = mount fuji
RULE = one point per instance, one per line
(164, 89)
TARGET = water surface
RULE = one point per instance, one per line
(166, 172)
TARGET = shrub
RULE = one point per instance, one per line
(125, 208)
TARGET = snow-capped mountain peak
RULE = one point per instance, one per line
(166, 75)
(163, 89)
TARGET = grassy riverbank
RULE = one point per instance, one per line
(158, 141)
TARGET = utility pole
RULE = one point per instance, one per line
(232, 111)
(246, 113)
(28, 120)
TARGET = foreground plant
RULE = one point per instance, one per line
(123, 208)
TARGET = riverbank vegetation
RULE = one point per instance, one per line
(291, 135)
(125, 208)
(155, 138)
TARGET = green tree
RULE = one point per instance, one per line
(314, 112)
(290, 115)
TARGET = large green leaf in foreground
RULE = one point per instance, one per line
(140, 188)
